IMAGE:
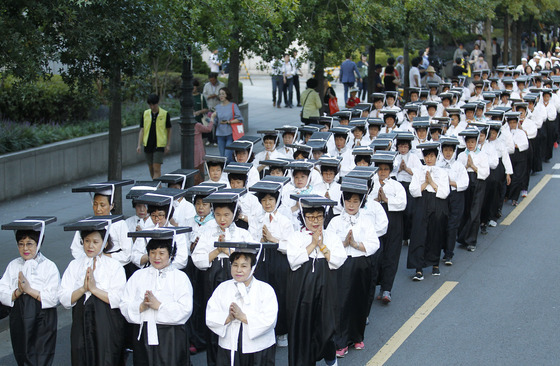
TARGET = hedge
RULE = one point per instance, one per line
(43, 101)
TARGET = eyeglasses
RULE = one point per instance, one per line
(161, 216)
(314, 218)
(26, 245)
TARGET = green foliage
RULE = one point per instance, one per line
(198, 64)
(17, 136)
(44, 100)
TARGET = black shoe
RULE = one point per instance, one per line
(448, 261)
(483, 229)
(299, 105)
(435, 271)
(499, 214)
(418, 276)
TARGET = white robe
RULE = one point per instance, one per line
(280, 227)
(439, 176)
(170, 286)
(259, 305)
(360, 224)
(119, 237)
(210, 234)
(297, 244)
(42, 275)
(181, 257)
(108, 274)
(396, 195)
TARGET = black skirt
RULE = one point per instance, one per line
(33, 332)
(172, 349)
(97, 334)
(311, 303)
(219, 271)
(266, 357)
(196, 324)
(273, 268)
(428, 231)
(354, 284)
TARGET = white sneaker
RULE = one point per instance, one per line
(523, 193)
(282, 340)
(492, 223)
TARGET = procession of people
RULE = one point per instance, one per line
(290, 246)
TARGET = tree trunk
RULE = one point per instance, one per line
(514, 51)
(187, 118)
(320, 76)
(406, 68)
(371, 70)
(505, 48)
(517, 42)
(233, 78)
(115, 148)
(488, 34)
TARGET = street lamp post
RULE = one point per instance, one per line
(188, 121)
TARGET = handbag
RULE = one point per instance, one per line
(237, 129)
(205, 120)
(333, 105)
(302, 107)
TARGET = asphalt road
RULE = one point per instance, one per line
(502, 305)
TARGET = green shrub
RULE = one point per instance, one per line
(43, 101)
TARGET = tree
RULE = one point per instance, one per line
(243, 27)
(104, 39)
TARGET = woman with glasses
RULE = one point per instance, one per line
(311, 295)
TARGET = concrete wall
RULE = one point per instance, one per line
(50, 165)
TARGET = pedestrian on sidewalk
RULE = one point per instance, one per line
(225, 114)
(311, 102)
(348, 73)
(210, 92)
(154, 135)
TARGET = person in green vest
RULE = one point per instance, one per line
(154, 135)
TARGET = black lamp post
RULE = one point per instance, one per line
(187, 114)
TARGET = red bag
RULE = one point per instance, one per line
(333, 106)
(237, 129)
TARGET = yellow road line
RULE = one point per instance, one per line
(411, 324)
(526, 201)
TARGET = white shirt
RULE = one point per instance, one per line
(108, 274)
(214, 63)
(259, 305)
(42, 275)
(411, 77)
(210, 89)
(280, 227)
(347, 163)
(210, 234)
(119, 237)
(250, 206)
(134, 221)
(297, 249)
(360, 224)
(520, 139)
(334, 193)
(173, 290)
(275, 154)
(396, 195)
(196, 231)
(411, 161)
(490, 151)
(378, 216)
(439, 176)
(503, 154)
(183, 211)
(181, 257)
(480, 160)
(529, 127)
(456, 173)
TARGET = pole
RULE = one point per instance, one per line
(187, 114)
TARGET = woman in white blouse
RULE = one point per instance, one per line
(430, 188)
(29, 287)
(242, 312)
(92, 286)
(311, 297)
(353, 228)
(158, 299)
(215, 261)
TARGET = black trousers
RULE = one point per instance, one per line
(492, 190)
(474, 195)
(428, 231)
(296, 87)
(519, 163)
(456, 207)
(408, 212)
(550, 138)
(391, 252)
